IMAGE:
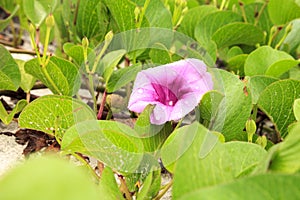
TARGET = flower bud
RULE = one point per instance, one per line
(50, 22)
(250, 129)
(262, 141)
(85, 42)
(108, 37)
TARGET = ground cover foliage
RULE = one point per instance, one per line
(239, 141)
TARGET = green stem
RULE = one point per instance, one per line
(143, 14)
(48, 77)
(243, 11)
(163, 192)
(83, 161)
(48, 30)
(260, 12)
(223, 4)
(92, 91)
(35, 47)
(254, 114)
(286, 32)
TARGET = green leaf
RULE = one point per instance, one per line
(268, 61)
(92, 20)
(285, 158)
(213, 162)
(108, 63)
(158, 15)
(64, 77)
(257, 84)
(151, 186)
(4, 22)
(9, 71)
(266, 186)
(7, 118)
(108, 186)
(76, 53)
(49, 179)
(234, 109)
(212, 22)
(296, 109)
(209, 105)
(123, 13)
(238, 33)
(159, 54)
(37, 10)
(288, 9)
(27, 81)
(122, 77)
(193, 17)
(236, 64)
(292, 40)
(152, 136)
(277, 102)
(252, 9)
(54, 114)
(111, 142)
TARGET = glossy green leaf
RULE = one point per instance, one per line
(158, 15)
(123, 13)
(193, 17)
(257, 84)
(252, 9)
(296, 109)
(27, 81)
(277, 102)
(108, 186)
(221, 163)
(288, 9)
(151, 186)
(108, 63)
(235, 107)
(92, 20)
(209, 104)
(4, 22)
(7, 118)
(113, 143)
(9, 71)
(159, 54)
(238, 33)
(292, 40)
(7, 5)
(266, 186)
(76, 53)
(152, 136)
(236, 64)
(285, 158)
(122, 77)
(268, 61)
(37, 10)
(212, 22)
(64, 77)
(47, 178)
(54, 114)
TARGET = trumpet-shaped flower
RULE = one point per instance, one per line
(175, 89)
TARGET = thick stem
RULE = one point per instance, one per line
(100, 112)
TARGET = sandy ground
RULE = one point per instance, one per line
(10, 151)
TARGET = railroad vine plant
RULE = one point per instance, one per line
(204, 91)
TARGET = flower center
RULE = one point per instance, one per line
(164, 95)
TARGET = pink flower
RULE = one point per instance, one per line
(175, 89)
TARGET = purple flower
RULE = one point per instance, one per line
(175, 89)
